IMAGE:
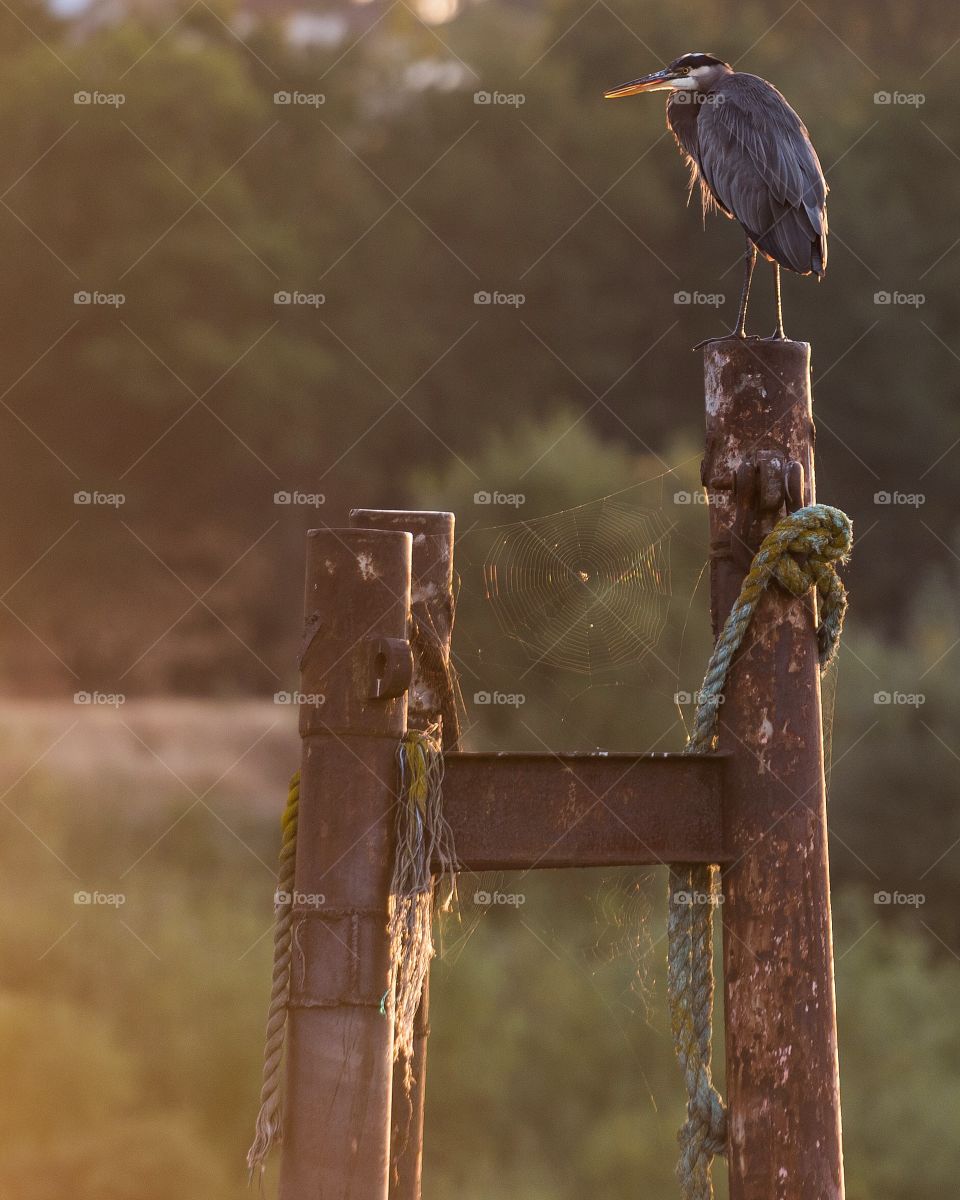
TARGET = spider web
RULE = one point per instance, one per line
(585, 589)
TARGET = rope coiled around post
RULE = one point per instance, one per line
(269, 1119)
(801, 552)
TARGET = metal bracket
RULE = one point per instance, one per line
(390, 670)
(763, 486)
(391, 667)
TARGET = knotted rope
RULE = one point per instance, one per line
(269, 1118)
(800, 553)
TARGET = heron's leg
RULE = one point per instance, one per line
(749, 262)
(778, 334)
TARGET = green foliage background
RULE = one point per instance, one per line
(132, 1071)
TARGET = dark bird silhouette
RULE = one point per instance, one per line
(753, 159)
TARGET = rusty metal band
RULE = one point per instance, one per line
(349, 967)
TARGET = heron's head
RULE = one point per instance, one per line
(688, 73)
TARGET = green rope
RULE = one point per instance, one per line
(800, 553)
(269, 1119)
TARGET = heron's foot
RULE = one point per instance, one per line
(736, 335)
(777, 336)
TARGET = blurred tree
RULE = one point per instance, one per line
(551, 467)
(899, 1059)
(67, 1127)
(396, 197)
(895, 789)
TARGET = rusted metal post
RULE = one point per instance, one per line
(782, 1078)
(355, 668)
(432, 607)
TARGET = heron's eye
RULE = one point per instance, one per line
(684, 70)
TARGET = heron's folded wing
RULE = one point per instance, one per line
(756, 156)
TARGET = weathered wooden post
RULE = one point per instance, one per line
(336, 1136)
(432, 606)
(782, 1087)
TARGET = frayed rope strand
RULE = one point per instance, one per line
(801, 552)
(423, 838)
(269, 1119)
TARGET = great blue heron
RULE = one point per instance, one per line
(754, 161)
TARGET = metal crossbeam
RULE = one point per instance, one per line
(513, 812)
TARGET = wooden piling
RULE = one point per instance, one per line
(355, 668)
(782, 1079)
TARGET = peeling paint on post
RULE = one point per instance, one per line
(339, 1059)
(782, 1074)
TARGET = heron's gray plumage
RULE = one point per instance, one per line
(754, 161)
(753, 157)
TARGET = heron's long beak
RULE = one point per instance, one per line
(659, 81)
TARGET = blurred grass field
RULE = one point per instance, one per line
(131, 1032)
